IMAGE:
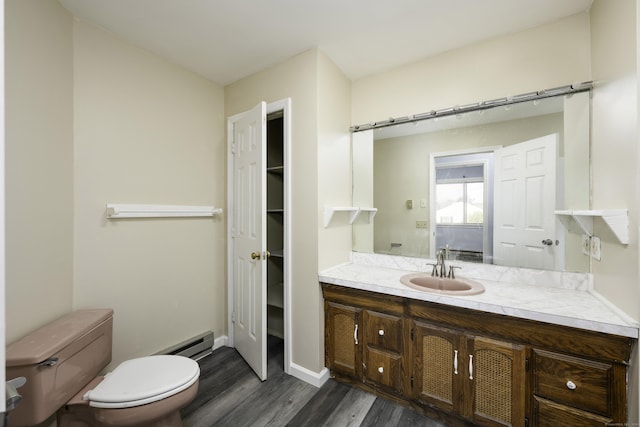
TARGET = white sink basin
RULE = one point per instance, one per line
(442, 285)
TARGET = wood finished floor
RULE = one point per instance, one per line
(230, 394)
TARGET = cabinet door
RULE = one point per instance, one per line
(437, 370)
(342, 339)
(495, 374)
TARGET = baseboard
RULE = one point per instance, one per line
(220, 342)
(316, 379)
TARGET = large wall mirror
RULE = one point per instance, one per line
(482, 185)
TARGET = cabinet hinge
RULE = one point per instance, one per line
(526, 364)
(412, 383)
(412, 340)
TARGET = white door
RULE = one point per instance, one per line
(524, 204)
(248, 231)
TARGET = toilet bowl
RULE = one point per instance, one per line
(61, 362)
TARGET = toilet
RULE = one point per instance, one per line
(62, 362)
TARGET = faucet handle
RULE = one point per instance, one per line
(434, 271)
(452, 268)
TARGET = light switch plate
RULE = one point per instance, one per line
(595, 248)
(586, 245)
(422, 224)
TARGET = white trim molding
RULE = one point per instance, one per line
(316, 379)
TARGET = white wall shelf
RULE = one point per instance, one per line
(354, 212)
(115, 210)
(616, 219)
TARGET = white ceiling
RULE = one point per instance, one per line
(226, 40)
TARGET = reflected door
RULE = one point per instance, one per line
(525, 201)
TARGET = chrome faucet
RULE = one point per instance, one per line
(440, 262)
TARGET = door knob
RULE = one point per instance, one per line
(255, 255)
(547, 242)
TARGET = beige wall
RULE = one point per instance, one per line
(615, 146)
(615, 160)
(297, 79)
(334, 161)
(38, 164)
(92, 120)
(147, 131)
(547, 56)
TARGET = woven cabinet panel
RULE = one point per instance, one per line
(437, 367)
(344, 351)
(493, 386)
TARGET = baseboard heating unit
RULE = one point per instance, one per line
(196, 348)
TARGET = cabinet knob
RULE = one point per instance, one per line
(381, 369)
(571, 385)
(381, 332)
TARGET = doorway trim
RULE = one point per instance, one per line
(283, 105)
(432, 186)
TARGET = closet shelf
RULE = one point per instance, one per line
(616, 219)
(276, 169)
(354, 212)
(275, 295)
(115, 210)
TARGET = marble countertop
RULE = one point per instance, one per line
(578, 308)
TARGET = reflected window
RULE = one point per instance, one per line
(460, 195)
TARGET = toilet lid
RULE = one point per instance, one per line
(144, 380)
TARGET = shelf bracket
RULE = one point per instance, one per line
(354, 212)
(616, 219)
(329, 211)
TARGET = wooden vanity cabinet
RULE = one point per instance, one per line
(467, 367)
(480, 379)
(363, 339)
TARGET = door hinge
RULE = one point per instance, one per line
(411, 382)
(412, 339)
(233, 147)
(526, 364)
(526, 422)
(233, 317)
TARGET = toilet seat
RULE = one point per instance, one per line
(144, 380)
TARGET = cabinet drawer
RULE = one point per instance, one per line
(383, 368)
(579, 383)
(550, 414)
(383, 331)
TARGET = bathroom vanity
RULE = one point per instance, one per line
(480, 360)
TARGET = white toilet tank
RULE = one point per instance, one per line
(58, 360)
